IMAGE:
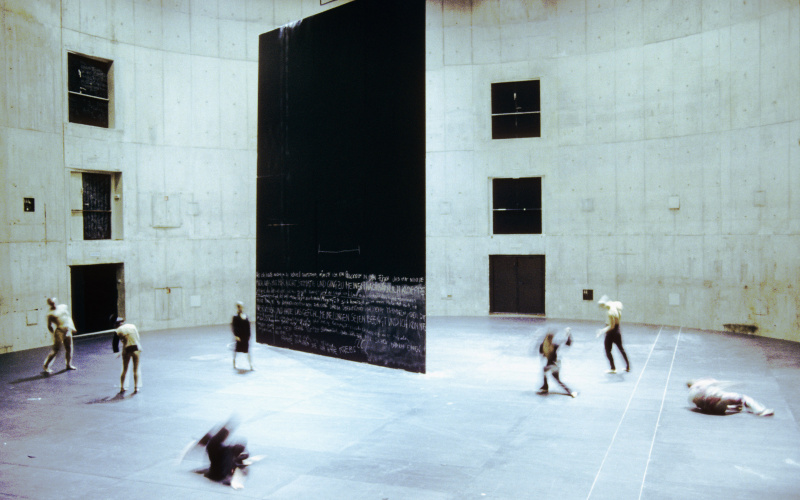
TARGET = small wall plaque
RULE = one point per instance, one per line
(674, 203)
(588, 294)
(29, 204)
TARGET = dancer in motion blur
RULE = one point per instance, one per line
(710, 396)
(613, 310)
(228, 462)
(549, 351)
(60, 324)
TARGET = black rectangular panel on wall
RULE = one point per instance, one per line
(341, 184)
(517, 284)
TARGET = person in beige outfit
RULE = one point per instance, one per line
(60, 324)
(712, 396)
(131, 347)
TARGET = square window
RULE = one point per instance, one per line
(517, 206)
(88, 86)
(95, 200)
(96, 206)
(516, 110)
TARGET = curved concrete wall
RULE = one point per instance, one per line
(182, 141)
(642, 107)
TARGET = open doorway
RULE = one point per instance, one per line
(97, 296)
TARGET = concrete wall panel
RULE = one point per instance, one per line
(668, 151)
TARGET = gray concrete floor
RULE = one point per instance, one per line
(473, 427)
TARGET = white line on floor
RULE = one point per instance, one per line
(614, 437)
(660, 410)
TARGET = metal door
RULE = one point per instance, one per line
(517, 284)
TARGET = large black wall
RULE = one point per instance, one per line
(341, 184)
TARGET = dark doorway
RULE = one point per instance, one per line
(517, 284)
(96, 293)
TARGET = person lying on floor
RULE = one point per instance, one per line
(709, 395)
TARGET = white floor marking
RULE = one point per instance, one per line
(614, 437)
(751, 471)
(206, 357)
(660, 410)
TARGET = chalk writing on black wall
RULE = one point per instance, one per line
(368, 318)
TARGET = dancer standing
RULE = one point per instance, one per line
(549, 351)
(60, 324)
(131, 347)
(710, 396)
(240, 324)
(613, 335)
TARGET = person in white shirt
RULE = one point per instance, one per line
(613, 334)
(710, 396)
(60, 324)
(131, 347)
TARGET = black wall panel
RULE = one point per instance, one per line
(341, 184)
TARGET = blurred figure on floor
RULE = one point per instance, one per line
(131, 347)
(613, 309)
(710, 396)
(228, 462)
(549, 352)
(240, 324)
(60, 324)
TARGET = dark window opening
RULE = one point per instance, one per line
(516, 110)
(96, 206)
(88, 89)
(517, 205)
